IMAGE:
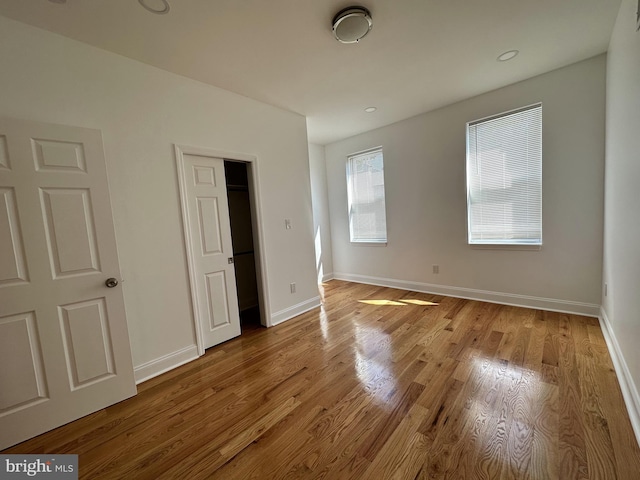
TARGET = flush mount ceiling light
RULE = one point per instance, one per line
(159, 7)
(352, 24)
(507, 55)
(370, 109)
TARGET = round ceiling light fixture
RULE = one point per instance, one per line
(159, 7)
(352, 24)
(507, 55)
(370, 109)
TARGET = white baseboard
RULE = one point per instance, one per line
(163, 364)
(564, 306)
(627, 385)
(327, 276)
(294, 311)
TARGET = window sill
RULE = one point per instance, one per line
(505, 246)
(369, 244)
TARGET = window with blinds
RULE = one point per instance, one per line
(504, 178)
(365, 187)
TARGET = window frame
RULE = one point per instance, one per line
(510, 244)
(349, 175)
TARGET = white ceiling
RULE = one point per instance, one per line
(420, 55)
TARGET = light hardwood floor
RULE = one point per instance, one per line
(380, 383)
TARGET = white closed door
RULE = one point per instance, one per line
(64, 344)
(204, 196)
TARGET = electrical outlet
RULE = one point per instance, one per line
(436, 268)
(292, 286)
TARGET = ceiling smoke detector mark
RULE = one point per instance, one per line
(159, 7)
(370, 109)
(352, 24)
(507, 55)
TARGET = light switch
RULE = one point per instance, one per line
(287, 224)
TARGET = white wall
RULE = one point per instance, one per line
(142, 111)
(321, 221)
(622, 204)
(424, 159)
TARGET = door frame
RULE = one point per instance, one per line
(258, 234)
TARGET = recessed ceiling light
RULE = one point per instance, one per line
(507, 55)
(370, 109)
(352, 24)
(156, 6)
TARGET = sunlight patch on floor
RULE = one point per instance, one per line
(417, 302)
(404, 302)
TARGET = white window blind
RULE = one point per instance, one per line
(365, 186)
(504, 178)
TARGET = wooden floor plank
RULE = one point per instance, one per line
(378, 383)
(572, 445)
(545, 455)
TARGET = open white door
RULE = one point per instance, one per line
(210, 251)
(64, 344)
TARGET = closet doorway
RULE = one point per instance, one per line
(239, 194)
(220, 200)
